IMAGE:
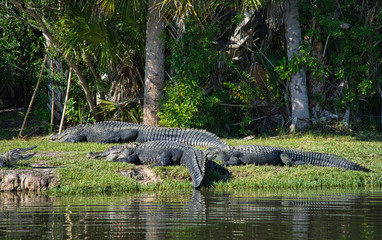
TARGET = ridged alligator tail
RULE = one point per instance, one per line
(260, 155)
(159, 153)
(114, 131)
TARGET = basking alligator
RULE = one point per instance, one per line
(159, 153)
(10, 158)
(260, 155)
(114, 131)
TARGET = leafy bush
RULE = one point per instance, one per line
(187, 103)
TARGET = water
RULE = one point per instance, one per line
(260, 214)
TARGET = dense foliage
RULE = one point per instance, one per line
(227, 72)
(21, 55)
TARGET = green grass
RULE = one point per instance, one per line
(77, 174)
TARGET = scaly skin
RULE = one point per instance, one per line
(159, 153)
(260, 155)
(10, 158)
(114, 131)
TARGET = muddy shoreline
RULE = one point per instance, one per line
(37, 179)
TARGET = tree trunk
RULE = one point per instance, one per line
(82, 80)
(297, 86)
(154, 68)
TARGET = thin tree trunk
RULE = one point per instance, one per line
(297, 86)
(34, 95)
(53, 102)
(66, 101)
(82, 80)
(52, 112)
(154, 67)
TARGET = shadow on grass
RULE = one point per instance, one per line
(215, 173)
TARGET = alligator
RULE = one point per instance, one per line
(114, 131)
(159, 153)
(11, 157)
(260, 155)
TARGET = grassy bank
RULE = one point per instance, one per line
(79, 174)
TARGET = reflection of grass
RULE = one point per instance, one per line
(78, 174)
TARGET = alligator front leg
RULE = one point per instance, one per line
(234, 160)
(133, 159)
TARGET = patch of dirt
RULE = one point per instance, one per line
(49, 154)
(142, 174)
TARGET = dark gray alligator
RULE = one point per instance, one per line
(260, 155)
(159, 153)
(10, 158)
(114, 131)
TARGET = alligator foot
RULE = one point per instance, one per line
(13, 156)
(286, 159)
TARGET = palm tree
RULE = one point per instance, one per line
(297, 86)
(154, 54)
(154, 67)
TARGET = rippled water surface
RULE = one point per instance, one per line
(261, 214)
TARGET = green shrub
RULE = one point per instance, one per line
(186, 102)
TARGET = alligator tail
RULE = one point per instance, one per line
(324, 160)
(195, 164)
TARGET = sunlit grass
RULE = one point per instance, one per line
(77, 174)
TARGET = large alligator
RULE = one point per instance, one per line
(114, 131)
(11, 157)
(159, 153)
(260, 155)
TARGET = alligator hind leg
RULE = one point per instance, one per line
(169, 157)
(288, 161)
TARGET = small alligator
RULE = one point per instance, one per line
(114, 131)
(10, 158)
(159, 153)
(260, 155)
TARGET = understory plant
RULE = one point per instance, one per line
(187, 101)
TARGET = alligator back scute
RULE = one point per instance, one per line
(114, 131)
(194, 137)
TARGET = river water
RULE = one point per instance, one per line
(261, 214)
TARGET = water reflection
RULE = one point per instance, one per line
(315, 214)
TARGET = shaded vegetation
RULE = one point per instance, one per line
(226, 72)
